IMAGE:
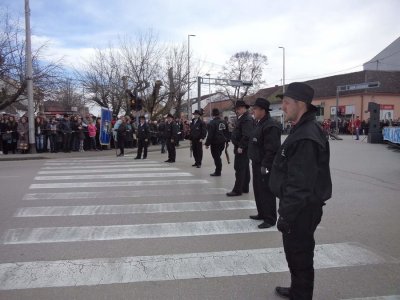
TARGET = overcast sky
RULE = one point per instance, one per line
(321, 38)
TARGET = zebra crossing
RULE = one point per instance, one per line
(144, 187)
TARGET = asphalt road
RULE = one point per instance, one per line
(94, 226)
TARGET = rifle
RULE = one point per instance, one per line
(191, 149)
(226, 152)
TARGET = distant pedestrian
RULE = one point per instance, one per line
(120, 128)
(264, 144)
(98, 131)
(216, 138)
(198, 132)
(357, 126)
(92, 135)
(171, 137)
(240, 139)
(23, 135)
(80, 134)
(39, 134)
(66, 130)
(52, 132)
(300, 178)
(161, 134)
(143, 136)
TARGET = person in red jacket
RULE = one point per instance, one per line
(92, 135)
(357, 126)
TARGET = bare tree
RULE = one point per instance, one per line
(143, 58)
(12, 66)
(176, 61)
(138, 68)
(245, 66)
(68, 95)
(102, 79)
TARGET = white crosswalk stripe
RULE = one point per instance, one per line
(120, 232)
(103, 184)
(109, 166)
(113, 176)
(117, 170)
(110, 160)
(392, 297)
(124, 194)
(133, 208)
(41, 274)
(78, 163)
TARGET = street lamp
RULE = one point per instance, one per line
(189, 102)
(209, 90)
(283, 85)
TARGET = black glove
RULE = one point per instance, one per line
(264, 171)
(283, 226)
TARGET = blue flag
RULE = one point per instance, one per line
(105, 126)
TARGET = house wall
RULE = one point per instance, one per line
(389, 104)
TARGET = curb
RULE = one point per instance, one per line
(109, 152)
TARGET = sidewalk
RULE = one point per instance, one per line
(111, 152)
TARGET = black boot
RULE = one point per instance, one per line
(284, 292)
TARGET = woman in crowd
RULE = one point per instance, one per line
(52, 131)
(80, 133)
(12, 127)
(74, 134)
(39, 134)
(23, 135)
(98, 130)
(129, 133)
(3, 134)
(92, 135)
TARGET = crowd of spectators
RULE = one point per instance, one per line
(81, 133)
(73, 133)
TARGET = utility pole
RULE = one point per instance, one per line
(189, 102)
(283, 85)
(28, 78)
(209, 90)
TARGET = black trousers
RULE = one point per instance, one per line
(216, 151)
(53, 142)
(162, 142)
(121, 143)
(67, 142)
(299, 250)
(197, 148)
(142, 147)
(242, 173)
(171, 150)
(265, 199)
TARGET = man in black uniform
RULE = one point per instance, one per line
(161, 134)
(264, 144)
(143, 135)
(198, 132)
(121, 135)
(240, 139)
(216, 138)
(171, 136)
(66, 130)
(300, 178)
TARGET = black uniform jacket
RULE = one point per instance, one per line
(217, 132)
(143, 131)
(300, 173)
(242, 131)
(171, 131)
(265, 141)
(198, 130)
